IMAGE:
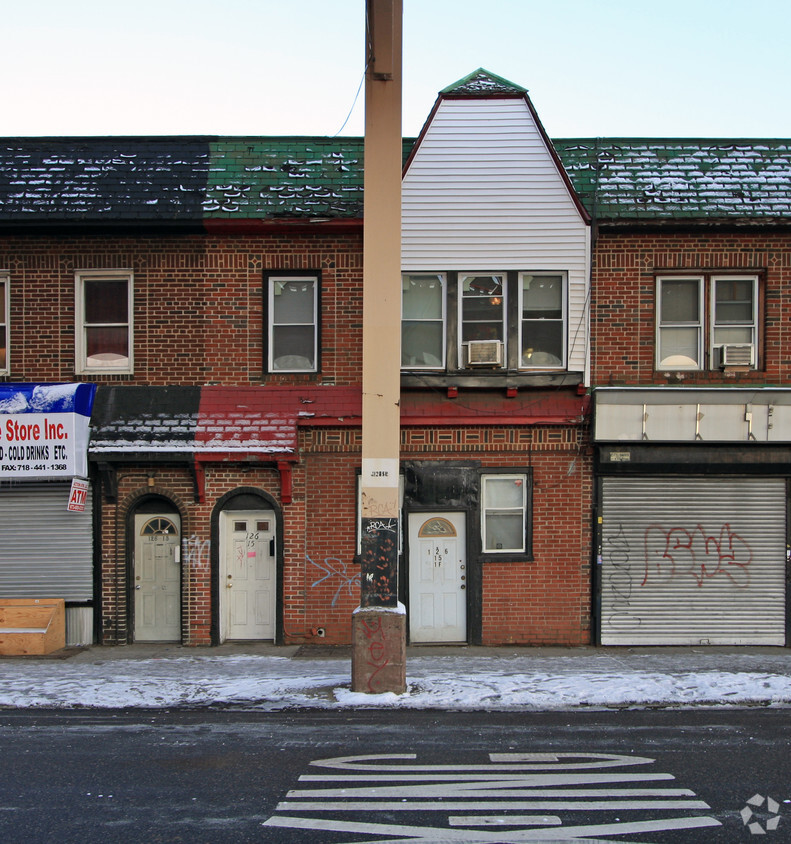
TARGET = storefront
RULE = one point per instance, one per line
(46, 513)
(692, 489)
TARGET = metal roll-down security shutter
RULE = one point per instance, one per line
(696, 560)
(47, 552)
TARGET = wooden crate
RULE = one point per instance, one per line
(32, 626)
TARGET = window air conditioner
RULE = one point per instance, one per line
(737, 355)
(484, 353)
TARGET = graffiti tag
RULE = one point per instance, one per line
(678, 552)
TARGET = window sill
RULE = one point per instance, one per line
(499, 379)
(505, 557)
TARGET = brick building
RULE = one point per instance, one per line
(690, 365)
(212, 289)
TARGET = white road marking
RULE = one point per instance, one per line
(476, 799)
(516, 762)
(429, 833)
(476, 788)
(521, 805)
(504, 820)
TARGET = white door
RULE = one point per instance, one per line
(157, 578)
(437, 578)
(247, 575)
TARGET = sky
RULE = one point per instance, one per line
(593, 68)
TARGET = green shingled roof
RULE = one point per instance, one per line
(192, 180)
(285, 177)
(647, 180)
(483, 83)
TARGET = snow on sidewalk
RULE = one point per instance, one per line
(434, 682)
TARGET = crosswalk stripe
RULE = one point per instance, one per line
(522, 805)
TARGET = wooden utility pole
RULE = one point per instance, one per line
(379, 623)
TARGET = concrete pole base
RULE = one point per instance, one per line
(379, 650)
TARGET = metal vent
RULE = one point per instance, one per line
(737, 355)
(484, 353)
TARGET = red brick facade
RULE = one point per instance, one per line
(198, 303)
(199, 319)
(623, 310)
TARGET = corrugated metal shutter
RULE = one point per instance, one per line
(693, 560)
(45, 551)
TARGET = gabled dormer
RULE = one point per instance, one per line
(495, 245)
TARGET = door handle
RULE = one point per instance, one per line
(138, 586)
(463, 586)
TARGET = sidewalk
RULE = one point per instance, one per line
(269, 678)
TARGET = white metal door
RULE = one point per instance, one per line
(437, 578)
(247, 574)
(157, 578)
(693, 560)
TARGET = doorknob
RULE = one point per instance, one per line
(138, 586)
(463, 585)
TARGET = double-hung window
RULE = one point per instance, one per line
(707, 322)
(543, 324)
(505, 500)
(104, 321)
(423, 321)
(293, 323)
(3, 323)
(734, 321)
(482, 318)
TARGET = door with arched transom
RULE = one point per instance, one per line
(156, 590)
(437, 578)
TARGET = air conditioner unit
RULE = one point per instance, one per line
(737, 355)
(484, 353)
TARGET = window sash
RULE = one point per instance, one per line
(542, 325)
(293, 323)
(482, 308)
(104, 331)
(679, 324)
(734, 313)
(423, 337)
(504, 513)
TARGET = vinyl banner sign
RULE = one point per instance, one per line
(44, 430)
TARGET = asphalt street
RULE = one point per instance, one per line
(211, 776)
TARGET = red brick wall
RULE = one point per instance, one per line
(198, 304)
(543, 601)
(547, 599)
(623, 312)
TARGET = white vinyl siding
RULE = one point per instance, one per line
(483, 191)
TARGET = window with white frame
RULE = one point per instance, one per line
(543, 322)
(707, 322)
(504, 513)
(4, 300)
(104, 321)
(293, 323)
(734, 321)
(484, 321)
(423, 320)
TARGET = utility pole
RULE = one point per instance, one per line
(379, 623)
